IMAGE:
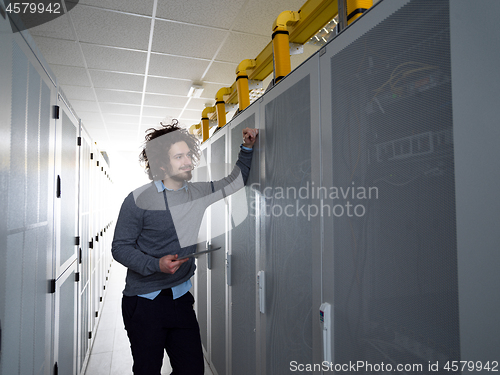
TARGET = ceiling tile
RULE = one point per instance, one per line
(222, 72)
(123, 97)
(70, 75)
(210, 90)
(120, 119)
(188, 122)
(124, 127)
(84, 105)
(162, 85)
(124, 109)
(198, 104)
(242, 46)
(94, 125)
(186, 40)
(59, 27)
(158, 111)
(113, 36)
(259, 15)
(115, 59)
(61, 52)
(90, 117)
(104, 27)
(96, 131)
(192, 114)
(144, 7)
(165, 101)
(177, 67)
(216, 13)
(78, 92)
(119, 81)
(124, 133)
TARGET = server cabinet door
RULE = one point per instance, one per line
(65, 331)
(66, 229)
(290, 207)
(84, 288)
(26, 225)
(242, 238)
(390, 255)
(200, 279)
(67, 167)
(217, 272)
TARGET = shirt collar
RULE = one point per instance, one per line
(160, 187)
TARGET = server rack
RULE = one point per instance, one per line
(48, 306)
(399, 148)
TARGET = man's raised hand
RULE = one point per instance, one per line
(249, 137)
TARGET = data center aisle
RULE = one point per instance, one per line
(110, 353)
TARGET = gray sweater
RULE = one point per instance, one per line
(153, 224)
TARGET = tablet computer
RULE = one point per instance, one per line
(197, 254)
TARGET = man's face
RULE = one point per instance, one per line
(181, 163)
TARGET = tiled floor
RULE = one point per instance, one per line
(111, 354)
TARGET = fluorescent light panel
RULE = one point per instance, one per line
(195, 91)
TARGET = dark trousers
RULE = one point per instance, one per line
(163, 324)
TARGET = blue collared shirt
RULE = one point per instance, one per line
(181, 289)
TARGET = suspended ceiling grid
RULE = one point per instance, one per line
(126, 65)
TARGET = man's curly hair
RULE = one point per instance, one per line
(154, 155)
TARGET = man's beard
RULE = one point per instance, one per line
(183, 176)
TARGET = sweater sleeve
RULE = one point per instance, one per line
(237, 178)
(124, 247)
(244, 162)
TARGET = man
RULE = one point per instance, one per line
(158, 224)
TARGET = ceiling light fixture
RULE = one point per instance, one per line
(195, 91)
(325, 34)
